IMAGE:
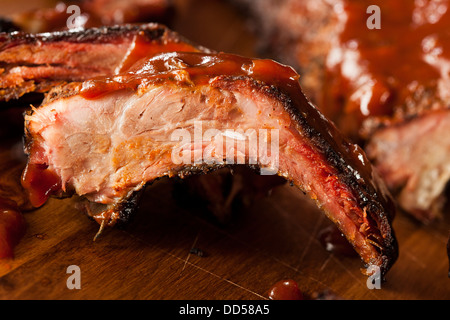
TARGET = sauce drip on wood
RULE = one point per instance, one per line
(285, 290)
(12, 227)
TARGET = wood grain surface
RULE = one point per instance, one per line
(275, 238)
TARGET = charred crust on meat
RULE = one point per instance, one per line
(118, 215)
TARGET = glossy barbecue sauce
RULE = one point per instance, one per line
(388, 72)
(191, 68)
(141, 48)
(12, 227)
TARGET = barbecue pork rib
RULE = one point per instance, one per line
(387, 89)
(37, 62)
(106, 137)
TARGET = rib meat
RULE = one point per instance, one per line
(105, 138)
(37, 62)
(387, 89)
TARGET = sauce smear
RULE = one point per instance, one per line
(12, 227)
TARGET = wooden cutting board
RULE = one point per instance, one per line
(275, 238)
